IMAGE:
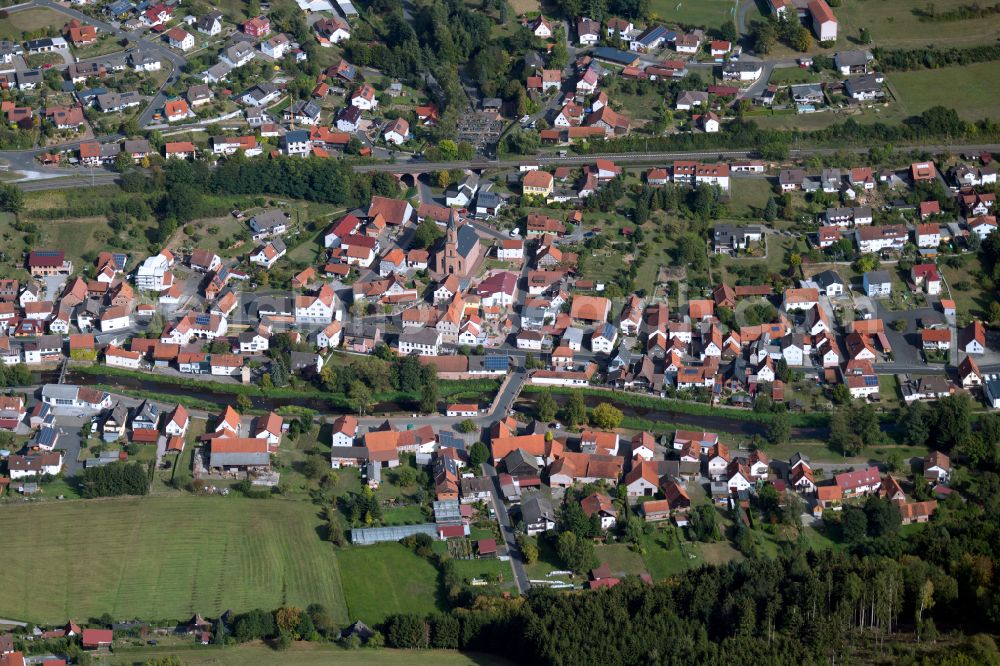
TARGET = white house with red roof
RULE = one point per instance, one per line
(364, 98)
(318, 308)
(859, 482)
(178, 422)
(122, 358)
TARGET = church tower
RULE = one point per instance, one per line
(452, 263)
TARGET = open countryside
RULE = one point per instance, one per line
(166, 557)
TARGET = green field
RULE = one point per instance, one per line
(165, 558)
(29, 21)
(384, 579)
(705, 13)
(303, 654)
(893, 24)
(969, 89)
(792, 75)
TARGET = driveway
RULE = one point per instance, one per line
(69, 441)
(906, 345)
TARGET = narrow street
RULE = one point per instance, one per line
(507, 530)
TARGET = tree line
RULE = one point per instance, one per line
(902, 60)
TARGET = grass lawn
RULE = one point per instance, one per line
(718, 552)
(476, 568)
(302, 654)
(893, 24)
(387, 578)
(970, 303)
(888, 390)
(621, 559)
(704, 13)
(29, 20)
(404, 515)
(749, 195)
(166, 557)
(105, 45)
(819, 540)
(792, 75)
(662, 562)
(524, 6)
(970, 89)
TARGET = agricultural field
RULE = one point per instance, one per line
(704, 13)
(30, 21)
(167, 558)
(969, 89)
(303, 654)
(896, 24)
(384, 579)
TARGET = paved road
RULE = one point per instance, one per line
(171, 59)
(507, 531)
(85, 179)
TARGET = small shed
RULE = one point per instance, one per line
(486, 547)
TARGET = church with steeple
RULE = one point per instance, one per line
(461, 249)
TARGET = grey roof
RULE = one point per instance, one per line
(267, 220)
(359, 452)
(50, 342)
(477, 484)
(791, 176)
(306, 108)
(259, 459)
(206, 21)
(877, 277)
(807, 90)
(259, 91)
(119, 413)
(300, 360)
(519, 457)
(736, 66)
(852, 58)
(532, 59)
(238, 50)
(827, 278)
(219, 70)
(137, 146)
(573, 334)
(59, 392)
(692, 97)
(29, 76)
(535, 508)
(467, 239)
(488, 199)
(862, 84)
(420, 336)
(147, 411)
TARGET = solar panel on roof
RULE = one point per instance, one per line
(202, 319)
(497, 362)
(871, 380)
